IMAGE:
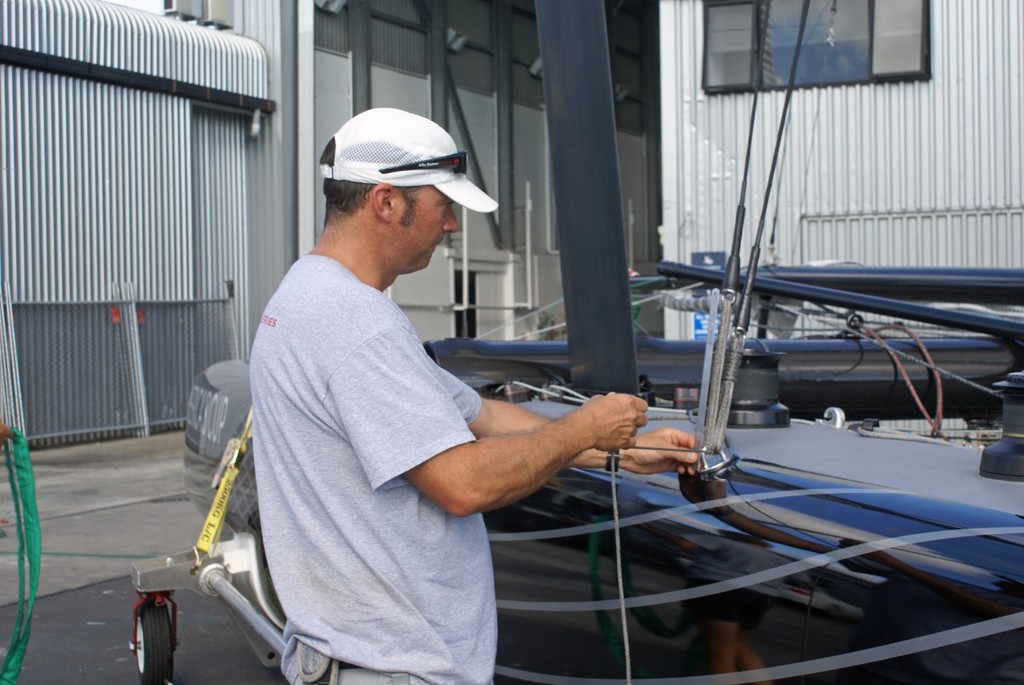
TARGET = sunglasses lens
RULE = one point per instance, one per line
(456, 162)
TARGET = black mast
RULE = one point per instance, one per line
(585, 173)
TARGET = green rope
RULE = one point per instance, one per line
(85, 555)
(23, 491)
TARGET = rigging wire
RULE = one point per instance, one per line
(726, 368)
(524, 317)
(559, 326)
(743, 315)
(830, 40)
(637, 283)
(883, 344)
(715, 403)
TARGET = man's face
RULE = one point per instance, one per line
(427, 216)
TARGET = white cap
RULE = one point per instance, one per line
(369, 147)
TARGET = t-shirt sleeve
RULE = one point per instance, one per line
(397, 407)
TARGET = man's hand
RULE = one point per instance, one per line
(657, 461)
(613, 420)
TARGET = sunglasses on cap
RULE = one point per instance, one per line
(455, 161)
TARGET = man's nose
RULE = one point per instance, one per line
(452, 224)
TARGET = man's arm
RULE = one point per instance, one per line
(515, 454)
(497, 417)
(518, 451)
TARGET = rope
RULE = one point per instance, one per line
(890, 434)
(881, 343)
(936, 422)
(19, 470)
(618, 576)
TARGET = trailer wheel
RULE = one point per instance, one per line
(155, 648)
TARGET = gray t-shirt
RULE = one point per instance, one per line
(368, 570)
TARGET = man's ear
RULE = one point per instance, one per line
(383, 200)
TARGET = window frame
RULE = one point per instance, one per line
(924, 73)
(751, 61)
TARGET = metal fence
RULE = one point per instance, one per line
(78, 371)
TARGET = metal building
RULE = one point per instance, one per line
(916, 163)
(174, 193)
(126, 211)
(150, 160)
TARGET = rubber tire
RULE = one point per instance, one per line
(155, 649)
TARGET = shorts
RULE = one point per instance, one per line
(743, 606)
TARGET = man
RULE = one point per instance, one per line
(373, 463)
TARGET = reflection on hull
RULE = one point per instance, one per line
(792, 569)
(828, 599)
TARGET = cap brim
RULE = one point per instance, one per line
(464, 192)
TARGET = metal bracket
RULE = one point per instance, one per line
(717, 470)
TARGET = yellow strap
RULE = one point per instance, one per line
(244, 438)
(210, 533)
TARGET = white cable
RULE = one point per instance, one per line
(569, 392)
(559, 391)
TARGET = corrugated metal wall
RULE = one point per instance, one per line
(918, 174)
(97, 180)
(96, 189)
(220, 212)
(114, 36)
(108, 190)
(270, 164)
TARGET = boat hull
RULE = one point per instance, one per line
(814, 560)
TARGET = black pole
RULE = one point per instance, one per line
(731, 279)
(743, 313)
(585, 174)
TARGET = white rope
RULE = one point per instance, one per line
(618, 575)
(891, 434)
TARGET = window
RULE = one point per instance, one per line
(728, 37)
(899, 46)
(845, 41)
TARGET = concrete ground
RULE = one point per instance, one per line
(102, 506)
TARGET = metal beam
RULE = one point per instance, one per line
(65, 66)
(359, 28)
(503, 100)
(437, 20)
(857, 302)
